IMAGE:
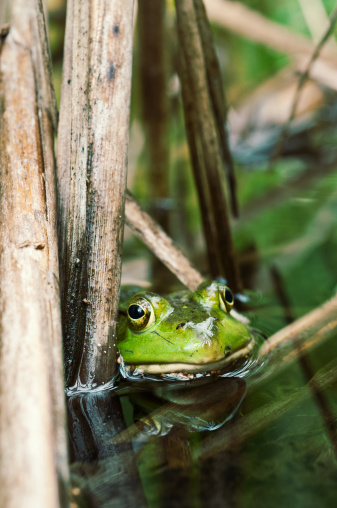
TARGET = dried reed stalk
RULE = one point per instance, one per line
(191, 47)
(198, 167)
(217, 97)
(316, 17)
(154, 102)
(309, 330)
(33, 450)
(92, 154)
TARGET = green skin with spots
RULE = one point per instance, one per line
(191, 332)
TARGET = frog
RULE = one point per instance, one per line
(185, 335)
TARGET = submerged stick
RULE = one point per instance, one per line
(105, 473)
(151, 233)
(305, 363)
(191, 46)
(33, 452)
(240, 430)
(92, 153)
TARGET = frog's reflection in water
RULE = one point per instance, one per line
(166, 414)
(205, 404)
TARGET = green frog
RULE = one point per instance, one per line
(183, 336)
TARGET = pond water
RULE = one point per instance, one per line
(268, 438)
(265, 439)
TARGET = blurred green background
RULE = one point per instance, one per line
(288, 211)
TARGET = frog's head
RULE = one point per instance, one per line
(189, 333)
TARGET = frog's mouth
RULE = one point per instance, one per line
(187, 371)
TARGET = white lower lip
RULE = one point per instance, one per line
(174, 368)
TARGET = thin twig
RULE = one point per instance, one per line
(151, 233)
(315, 17)
(281, 294)
(304, 76)
(248, 23)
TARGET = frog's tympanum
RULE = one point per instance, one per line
(184, 335)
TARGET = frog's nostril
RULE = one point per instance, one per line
(180, 325)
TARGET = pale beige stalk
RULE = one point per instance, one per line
(246, 22)
(33, 454)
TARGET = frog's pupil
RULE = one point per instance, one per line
(228, 296)
(136, 311)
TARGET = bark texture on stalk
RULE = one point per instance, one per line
(191, 47)
(33, 450)
(92, 158)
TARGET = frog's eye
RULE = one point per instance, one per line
(226, 299)
(140, 314)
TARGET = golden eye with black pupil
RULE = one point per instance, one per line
(140, 314)
(226, 299)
